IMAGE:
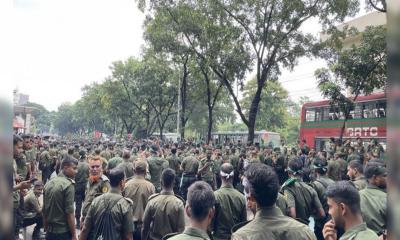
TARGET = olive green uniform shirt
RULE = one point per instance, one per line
(174, 163)
(191, 233)
(269, 223)
(93, 190)
(156, 166)
(30, 155)
(360, 183)
(58, 201)
(164, 214)
(359, 232)
(208, 174)
(31, 205)
(302, 197)
(138, 190)
(190, 165)
(373, 202)
(231, 210)
(82, 174)
(121, 212)
(22, 169)
(128, 168)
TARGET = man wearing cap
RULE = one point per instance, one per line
(175, 164)
(127, 164)
(320, 185)
(374, 198)
(108, 153)
(33, 210)
(355, 171)
(230, 205)
(156, 166)
(138, 189)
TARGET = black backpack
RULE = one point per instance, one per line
(106, 228)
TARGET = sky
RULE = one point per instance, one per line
(55, 47)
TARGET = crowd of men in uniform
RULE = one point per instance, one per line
(148, 189)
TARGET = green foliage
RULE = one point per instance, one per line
(360, 69)
(43, 118)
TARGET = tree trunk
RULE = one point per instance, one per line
(183, 92)
(253, 115)
(210, 124)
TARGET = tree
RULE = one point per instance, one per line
(42, 117)
(272, 110)
(64, 120)
(360, 69)
(236, 34)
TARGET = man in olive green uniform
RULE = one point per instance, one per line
(206, 170)
(127, 164)
(230, 205)
(200, 211)
(120, 226)
(58, 203)
(344, 208)
(164, 212)
(156, 166)
(18, 186)
(108, 153)
(33, 210)
(302, 199)
(337, 168)
(261, 186)
(45, 162)
(320, 185)
(189, 167)
(355, 171)
(218, 161)
(353, 155)
(81, 180)
(138, 189)
(98, 184)
(175, 164)
(374, 198)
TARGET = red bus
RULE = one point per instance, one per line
(320, 121)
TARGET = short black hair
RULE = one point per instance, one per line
(16, 139)
(68, 161)
(200, 199)
(357, 165)
(71, 150)
(320, 165)
(263, 183)
(173, 150)
(168, 177)
(295, 166)
(373, 168)
(345, 192)
(116, 175)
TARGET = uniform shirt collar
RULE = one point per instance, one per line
(268, 212)
(115, 190)
(163, 192)
(227, 186)
(359, 178)
(349, 234)
(371, 186)
(195, 232)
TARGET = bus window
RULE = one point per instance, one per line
(310, 115)
(369, 110)
(325, 115)
(318, 114)
(358, 111)
(381, 108)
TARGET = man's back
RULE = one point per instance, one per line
(231, 210)
(164, 214)
(58, 201)
(269, 223)
(373, 202)
(138, 190)
(156, 166)
(121, 211)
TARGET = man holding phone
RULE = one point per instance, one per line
(344, 208)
